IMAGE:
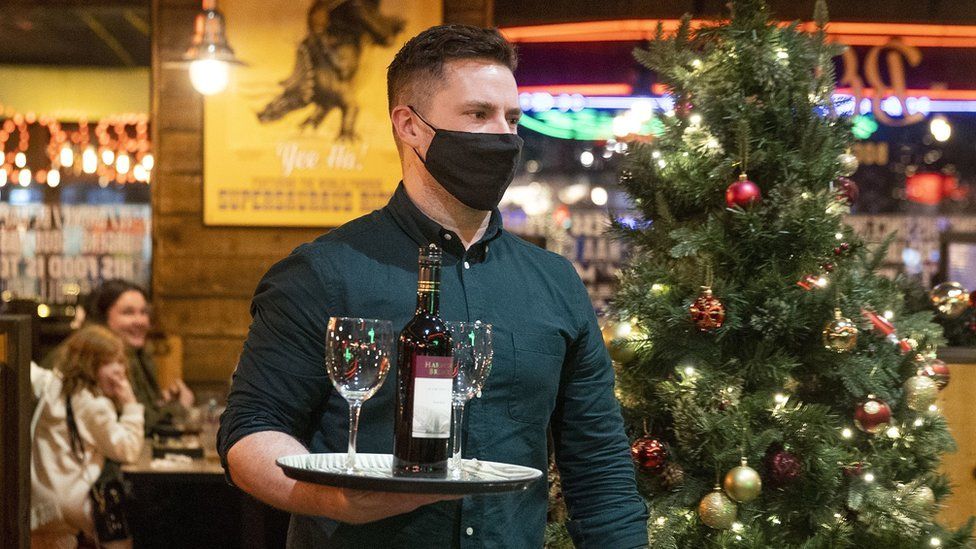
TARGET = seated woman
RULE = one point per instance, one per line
(123, 307)
(86, 414)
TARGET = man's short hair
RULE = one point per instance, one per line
(422, 58)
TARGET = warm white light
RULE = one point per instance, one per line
(889, 315)
(209, 76)
(940, 128)
(660, 521)
(737, 526)
(782, 54)
(586, 158)
(689, 371)
(24, 177)
(140, 173)
(919, 422)
(20, 159)
(599, 196)
(642, 110)
(662, 164)
(67, 157)
(822, 281)
(780, 398)
(868, 477)
(122, 163)
(53, 178)
(89, 160)
(893, 432)
(933, 408)
(43, 311)
(3, 176)
(149, 161)
(847, 432)
(657, 288)
(696, 63)
(695, 119)
(839, 236)
(655, 154)
(935, 542)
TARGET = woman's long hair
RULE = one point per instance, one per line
(85, 351)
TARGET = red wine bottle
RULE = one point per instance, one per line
(424, 380)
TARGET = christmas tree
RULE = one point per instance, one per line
(776, 390)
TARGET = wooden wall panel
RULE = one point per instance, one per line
(203, 277)
(956, 401)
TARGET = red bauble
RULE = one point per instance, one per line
(854, 469)
(938, 371)
(872, 415)
(742, 193)
(649, 454)
(846, 189)
(783, 467)
(843, 248)
(707, 312)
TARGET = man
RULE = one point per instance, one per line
(454, 109)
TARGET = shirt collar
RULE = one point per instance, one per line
(424, 230)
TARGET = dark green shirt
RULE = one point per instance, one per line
(550, 367)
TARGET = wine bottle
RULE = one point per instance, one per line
(424, 380)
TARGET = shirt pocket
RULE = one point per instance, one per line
(538, 365)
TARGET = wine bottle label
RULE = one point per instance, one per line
(432, 383)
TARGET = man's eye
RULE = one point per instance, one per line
(514, 121)
(480, 115)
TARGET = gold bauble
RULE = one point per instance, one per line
(848, 164)
(717, 511)
(950, 299)
(617, 337)
(840, 334)
(743, 483)
(920, 393)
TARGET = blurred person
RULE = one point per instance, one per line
(87, 414)
(123, 307)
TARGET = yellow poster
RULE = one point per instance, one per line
(302, 136)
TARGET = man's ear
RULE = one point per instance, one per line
(406, 127)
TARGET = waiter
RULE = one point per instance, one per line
(454, 110)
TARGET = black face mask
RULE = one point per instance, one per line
(476, 168)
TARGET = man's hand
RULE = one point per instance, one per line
(252, 467)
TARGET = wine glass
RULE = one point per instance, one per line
(357, 357)
(472, 363)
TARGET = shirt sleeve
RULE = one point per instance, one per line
(117, 437)
(592, 450)
(280, 378)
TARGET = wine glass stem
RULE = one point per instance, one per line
(354, 408)
(458, 420)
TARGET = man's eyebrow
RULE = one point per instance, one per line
(486, 105)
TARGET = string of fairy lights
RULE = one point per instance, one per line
(115, 149)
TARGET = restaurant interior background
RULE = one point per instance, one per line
(103, 166)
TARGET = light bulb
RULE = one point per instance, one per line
(67, 157)
(148, 161)
(586, 158)
(599, 196)
(89, 160)
(122, 163)
(24, 177)
(3, 176)
(940, 128)
(53, 178)
(108, 157)
(20, 159)
(209, 76)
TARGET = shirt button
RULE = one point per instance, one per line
(467, 265)
(447, 236)
(469, 531)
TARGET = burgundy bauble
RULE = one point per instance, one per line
(938, 371)
(707, 312)
(842, 249)
(783, 467)
(742, 193)
(649, 454)
(847, 190)
(872, 415)
(854, 469)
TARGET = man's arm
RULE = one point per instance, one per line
(592, 450)
(252, 468)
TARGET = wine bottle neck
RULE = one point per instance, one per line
(429, 290)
